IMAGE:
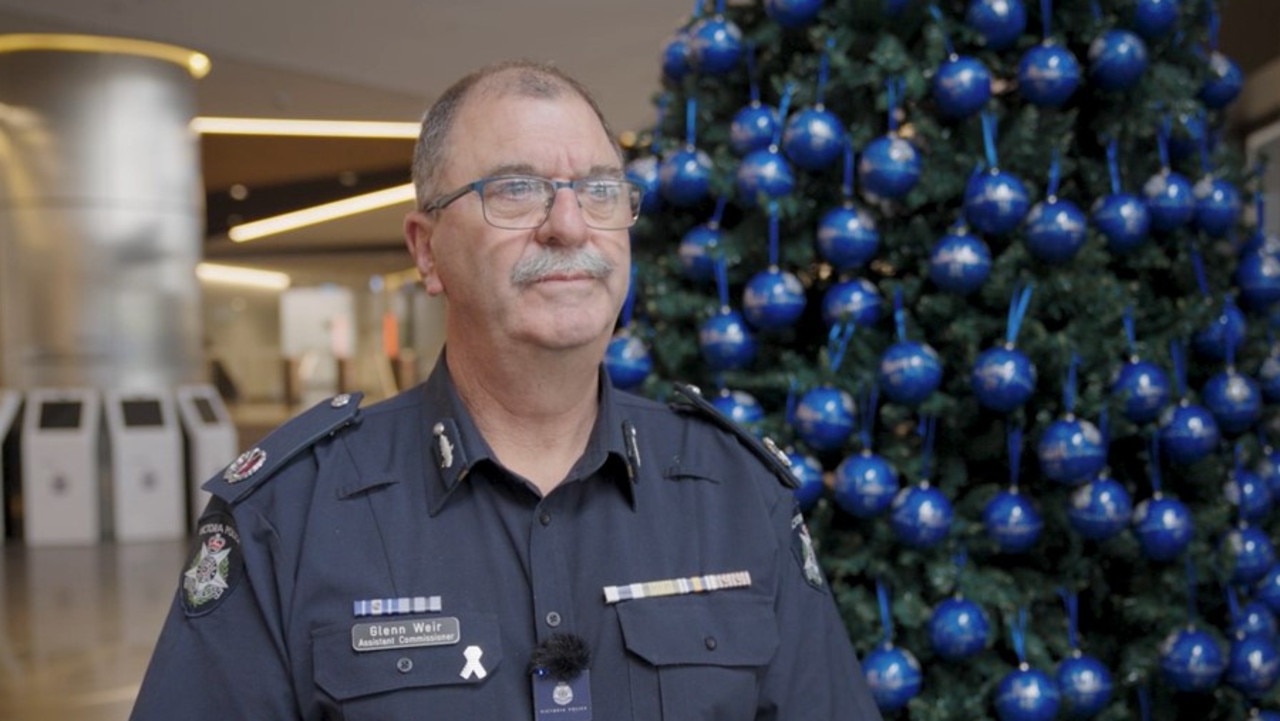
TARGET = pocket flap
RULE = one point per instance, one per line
(729, 628)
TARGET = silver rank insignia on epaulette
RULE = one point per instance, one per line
(444, 447)
(245, 465)
(777, 452)
(804, 552)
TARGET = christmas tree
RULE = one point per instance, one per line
(988, 271)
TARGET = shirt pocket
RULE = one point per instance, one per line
(698, 656)
(396, 682)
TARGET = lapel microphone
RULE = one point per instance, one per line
(562, 656)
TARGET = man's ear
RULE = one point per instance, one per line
(419, 230)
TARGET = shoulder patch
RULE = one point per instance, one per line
(764, 449)
(216, 564)
(256, 465)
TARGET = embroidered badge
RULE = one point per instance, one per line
(803, 546)
(245, 465)
(215, 566)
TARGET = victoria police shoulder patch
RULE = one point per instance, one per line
(216, 564)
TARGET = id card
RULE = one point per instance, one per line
(557, 700)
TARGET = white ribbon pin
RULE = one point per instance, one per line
(473, 667)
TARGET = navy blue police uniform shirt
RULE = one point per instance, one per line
(380, 563)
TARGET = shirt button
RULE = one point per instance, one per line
(545, 519)
(553, 619)
(710, 641)
(404, 665)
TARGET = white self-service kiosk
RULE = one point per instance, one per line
(60, 479)
(10, 402)
(211, 441)
(148, 485)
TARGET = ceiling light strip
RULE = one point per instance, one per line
(321, 213)
(238, 275)
(196, 63)
(306, 128)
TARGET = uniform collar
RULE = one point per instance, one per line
(457, 446)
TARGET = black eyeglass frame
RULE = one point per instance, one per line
(636, 195)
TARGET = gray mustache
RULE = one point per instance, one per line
(546, 263)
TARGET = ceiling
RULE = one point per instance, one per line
(387, 60)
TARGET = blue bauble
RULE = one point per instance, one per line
(1100, 509)
(1191, 660)
(1012, 522)
(995, 202)
(715, 45)
(893, 675)
(1223, 84)
(1234, 399)
(1269, 379)
(675, 58)
(921, 516)
(888, 168)
(893, 7)
(847, 236)
(1123, 219)
(1027, 694)
(1048, 75)
(1143, 389)
(1254, 618)
(1223, 333)
(763, 175)
(858, 300)
(1250, 494)
(773, 299)
(1085, 685)
(808, 474)
(958, 629)
(1258, 278)
(644, 171)
(959, 263)
(864, 484)
(1267, 589)
(1217, 206)
(999, 22)
(627, 361)
(792, 13)
(909, 372)
(1071, 451)
(1002, 378)
(1248, 553)
(726, 341)
(1253, 665)
(1188, 134)
(738, 406)
(1117, 59)
(1170, 200)
(753, 128)
(1155, 18)
(1163, 527)
(813, 138)
(961, 86)
(1188, 432)
(1056, 230)
(824, 418)
(698, 252)
(684, 177)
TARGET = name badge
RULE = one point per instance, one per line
(406, 633)
(562, 700)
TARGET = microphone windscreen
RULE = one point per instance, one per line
(562, 656)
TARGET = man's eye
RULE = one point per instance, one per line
(601, 189)
(516, 189)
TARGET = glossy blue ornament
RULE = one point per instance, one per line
(1100, 509)
(909, 372)
(1269, 380)
(1267, 589)
(792, 13)
(644, 171)
(627, 361)
(961, 86)
(1027, 694)
(864, 484)
(959, 263)
(763, 175)
(726, 341)
(1048, 75)
(1154, 19)
(1143, 389)
(715, 45)
(1117, 60)
(808, 474)
(1217, 206)
(1071, 451)
(1248, 554)
(857, 299)
(1056, 230)
(753, 128)
(813, 138)
(893, 7)
(1123, 219)
(998, 22)
(684, 177)
(1188, 432)
(958, 629)
(1223, 84)
(1224, 332)
(1257, 276)
(921, 516)
(773, 299)
(1250, 494)
(1170, 201)
(995, 202)
(738, 406)
(1188, 134)
(675, 57)
(1163, 527)
(893, 676)
(1253, 665)
(847, 237)
(824, 418)
(1191, 660)
(1011, 521)
(1085, 685)
(1234, 399)
(1255, 618)
(1002, 378)
(698, 252)
(888, 168)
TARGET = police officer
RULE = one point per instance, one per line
(514, 539)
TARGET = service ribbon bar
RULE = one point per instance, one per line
(677, 586)
(395, 606)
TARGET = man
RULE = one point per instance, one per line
(514, 539)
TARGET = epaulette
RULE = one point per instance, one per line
(281, 445)
(763, 448)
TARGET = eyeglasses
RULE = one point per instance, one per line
(523, 202)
